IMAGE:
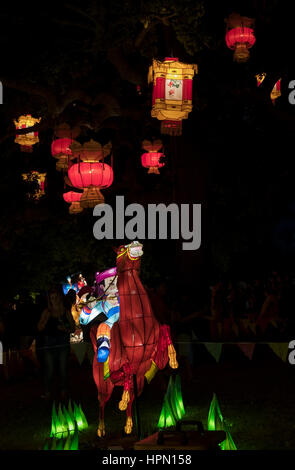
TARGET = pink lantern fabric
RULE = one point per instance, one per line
(240, 35)
(151, 161)
(61, 147)
(84, 175)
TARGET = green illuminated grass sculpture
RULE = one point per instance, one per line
(172, 408)
(216, 422)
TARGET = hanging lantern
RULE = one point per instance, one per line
(152, 159)
(40, 179)
(240, 36)
(91, 177)
(60, 148)
(74, 199)
(276, 91)
(172, 93)
(26, 141)
(91, 151)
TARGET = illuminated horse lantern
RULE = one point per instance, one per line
(139, 345)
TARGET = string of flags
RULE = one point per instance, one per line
(85, 350)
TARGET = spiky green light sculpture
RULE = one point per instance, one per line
(216, 422)
(172, 409)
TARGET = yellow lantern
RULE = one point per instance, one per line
(26, 141)
(40, 178)
(172, 92)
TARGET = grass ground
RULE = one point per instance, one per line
(256, 399)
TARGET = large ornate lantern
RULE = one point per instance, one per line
(153, 158)
(92, 177)
(172, 93)
(73, 198)
(40, 180)
(61, 147)
(26, 141)
(275, 92)
(240, 36)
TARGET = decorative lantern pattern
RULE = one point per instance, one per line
(240, 36)
(172, 92)
(40, 179)
(276, 91)
(26, 141)
(91, 177)
(74, 199)
(151, 159)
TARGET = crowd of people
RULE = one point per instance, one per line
(228, 310)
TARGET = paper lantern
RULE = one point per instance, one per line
(26, 141)
(172, 92)
(91, 177)
(91, 151)
(151, 159)
(40, 179)
(74, 199)
(240, 36)
(276, 91)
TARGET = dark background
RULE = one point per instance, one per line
(81, 64)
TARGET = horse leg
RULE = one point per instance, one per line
(129, 423)
(124, 375)
(165, 351)
(101, 427)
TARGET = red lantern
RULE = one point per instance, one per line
(151, 159)
(240, 36)
(61, 147)
(91, 177)
(74, 199)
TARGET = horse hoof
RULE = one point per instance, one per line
(129, 425)
(125, 400)
(172, 357)
(101, 432)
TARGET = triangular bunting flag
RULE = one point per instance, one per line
(214, 349)
(247, 349)
(90, 352)
(80, 350)
(280, 349)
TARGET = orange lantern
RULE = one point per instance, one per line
(240, 36)
(40, 179)
(172, 93)
(152, 159)
(26, 141)
(74, 199)
(276, 91)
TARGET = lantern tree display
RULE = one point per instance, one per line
(38, 181)
(240, 36)
(26, 141)
(172, 93)
(90, 173)
(73, 198)
(60, 147)
(275, 92)
(153, 158)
